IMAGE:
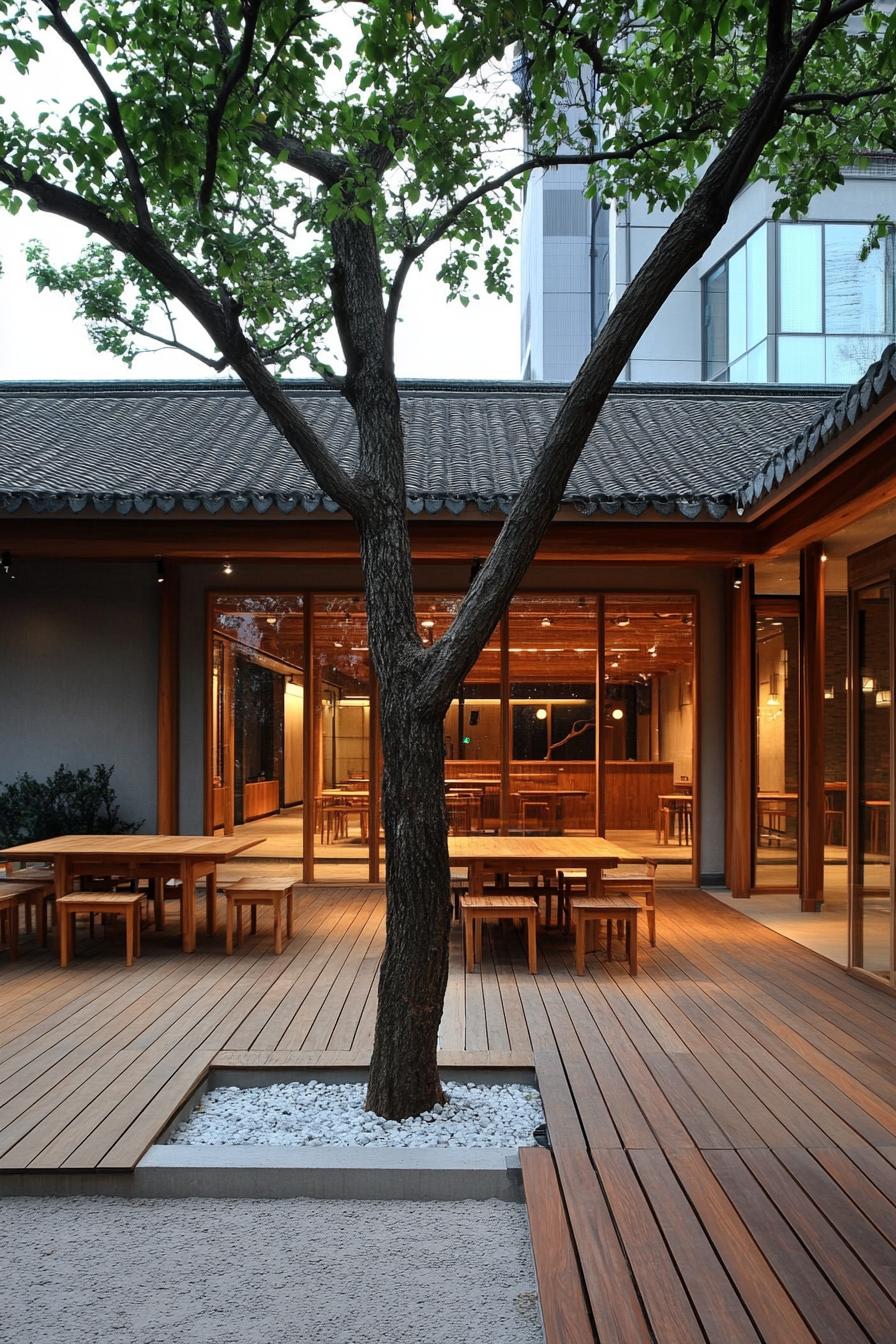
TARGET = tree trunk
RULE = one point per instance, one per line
(404, 1078)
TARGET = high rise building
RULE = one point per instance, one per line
(769, 301)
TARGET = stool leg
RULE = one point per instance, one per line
(138, 933)
(468, 940)
(253, 918)
(40, 919)
(580, 925)
(533, 943)
(477, 939)
(239, 924)
(158, 902)
(278, 924)
(289, 913)
(633, 943)
(609, 940)
(129, 937)
(210, 911)
(651, 922)
(27, 917)
(228, 936)
(12, 932)
(65, 937)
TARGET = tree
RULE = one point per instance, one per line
(276, 169)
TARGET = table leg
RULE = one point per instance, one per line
(40, 920)
(289, 899)
(580, 924)
(211, 907)
(228, 936)
(278, 924)
(632, 934)
(129, 937)
(468, 940)
(188, 907)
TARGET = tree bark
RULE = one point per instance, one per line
(404, 1076)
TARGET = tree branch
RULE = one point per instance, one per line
(219, 319)
(819, 101)
(171, 343)
(239, 66)
(318, 163)
(113, 111)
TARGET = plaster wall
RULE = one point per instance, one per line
(78, 674)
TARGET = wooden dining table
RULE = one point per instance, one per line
(159, 857)
(536, 854)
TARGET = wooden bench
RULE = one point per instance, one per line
(614, 884)
(33, 888)
(255, 891)
(127, 904)
(477, 910)
(588, 910)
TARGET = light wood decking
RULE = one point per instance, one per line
(723, 1126)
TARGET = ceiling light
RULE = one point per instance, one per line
(546, 622)
(622, 621)
(824, 557)
(541, 713)
(618, 714)
(160, 571)
(738, 576)
(427, 624)
(271, 620)
(228, 567)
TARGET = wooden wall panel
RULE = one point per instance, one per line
(630, 792)
(167, 745)
(739, 792)
(812, 796)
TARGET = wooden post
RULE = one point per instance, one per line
(506, 723)
(374, 770)
(167, 702)
(310, 726)
(600, 710)
(228, 728)
(812, 728)
(739, 793)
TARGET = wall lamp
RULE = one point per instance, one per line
(738, 576)
(160, 571)
(6, 565)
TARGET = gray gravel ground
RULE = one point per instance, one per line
(203, 1271)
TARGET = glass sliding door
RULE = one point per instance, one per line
(342, 738)
(776, 680)
(649, 724)
(871, 896)
(552, 720)
(257, 720)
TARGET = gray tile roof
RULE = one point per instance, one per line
(146, 447)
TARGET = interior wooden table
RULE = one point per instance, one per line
(536, 854)
(186, 857)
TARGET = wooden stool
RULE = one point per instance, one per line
(9, 920)
(254, 891)
(616, 884)
(477, 910)
(591, 910)
(124, 903)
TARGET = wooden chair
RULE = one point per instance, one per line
(254, 891)
(588, 911)
(478, 910)
(535, 817)
(40, 884)
(125, 904)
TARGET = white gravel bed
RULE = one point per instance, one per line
(332, 1114)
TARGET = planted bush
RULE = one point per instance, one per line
(70, 802)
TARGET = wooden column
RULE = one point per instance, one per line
(600, 711)
(739, 793)
(167, 702)
(310, 728)
(374, 771)
(812, 727)
(506, 723)
(228, 730)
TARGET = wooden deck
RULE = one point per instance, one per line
(723, 1127)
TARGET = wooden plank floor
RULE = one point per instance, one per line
(723, 1126)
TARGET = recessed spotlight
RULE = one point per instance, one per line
(228, 567)
(541, 713)
(618, 714)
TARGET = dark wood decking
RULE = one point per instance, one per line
(723, 1127)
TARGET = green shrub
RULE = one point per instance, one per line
(70, 802)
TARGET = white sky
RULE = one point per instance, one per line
(40, 336)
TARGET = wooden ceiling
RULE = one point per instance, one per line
(553, 640)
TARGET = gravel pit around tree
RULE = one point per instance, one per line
(316, 1114)
(292, 1271)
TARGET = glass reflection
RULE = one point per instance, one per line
(777, 751)
(872, 902)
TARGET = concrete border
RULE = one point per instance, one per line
(265, 1171)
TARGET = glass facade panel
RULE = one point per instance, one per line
(737, 304)
(847, 357)
(855, 295)
(757, 287)
(715, 320)
(777, 750)
(799, 274)
(872, 898)
(801, 359)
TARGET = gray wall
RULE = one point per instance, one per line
(78, 674)
(707, 583)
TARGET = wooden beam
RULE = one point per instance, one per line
(739, 792)
(812, 795)
(167, 701)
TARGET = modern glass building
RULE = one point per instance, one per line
(770, 301)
